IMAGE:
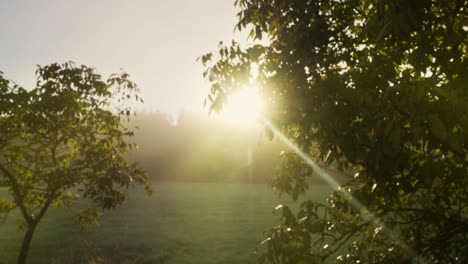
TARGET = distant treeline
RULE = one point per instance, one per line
(203, 148)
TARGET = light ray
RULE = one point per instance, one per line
(363, 211)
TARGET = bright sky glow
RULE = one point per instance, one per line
(156, 42)
(244, 107)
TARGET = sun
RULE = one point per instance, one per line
(244, 107)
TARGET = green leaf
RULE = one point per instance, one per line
(438, 128)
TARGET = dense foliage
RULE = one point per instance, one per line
(65, 139)
(376, 88)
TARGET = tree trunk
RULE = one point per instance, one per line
(26, 243)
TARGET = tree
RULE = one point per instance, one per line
(65, 140)
(376, 88)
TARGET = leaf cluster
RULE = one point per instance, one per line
(66, 138)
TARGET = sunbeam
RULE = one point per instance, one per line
(363, 211)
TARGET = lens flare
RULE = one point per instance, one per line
(366, 215)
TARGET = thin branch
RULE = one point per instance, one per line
(45, 207)
(17, 194)
(347, 237)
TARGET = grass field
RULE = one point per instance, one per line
(180, 223)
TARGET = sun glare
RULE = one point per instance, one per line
(243, 107)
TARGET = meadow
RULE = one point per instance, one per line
(181, 223)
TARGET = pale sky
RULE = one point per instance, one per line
(156, 42)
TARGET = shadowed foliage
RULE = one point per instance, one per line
(65, 139)
(374, 87)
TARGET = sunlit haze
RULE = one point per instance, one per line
(156, 42)
(243, 107)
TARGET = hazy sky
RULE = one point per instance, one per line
(156, 42)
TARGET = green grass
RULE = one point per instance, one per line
(180, 223)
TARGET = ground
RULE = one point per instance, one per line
(180, 223)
